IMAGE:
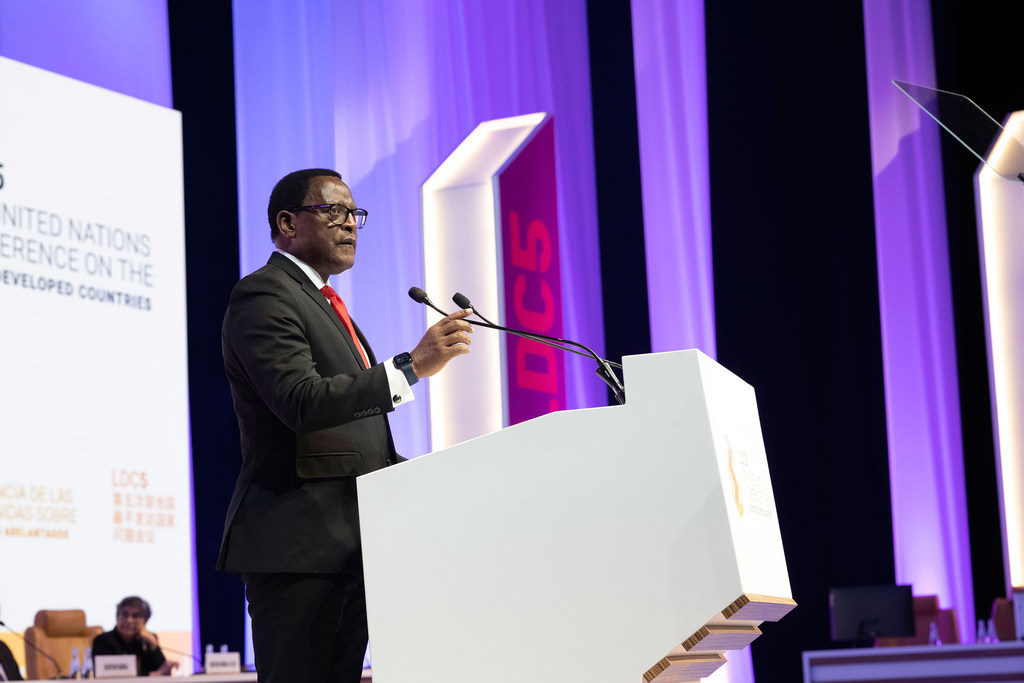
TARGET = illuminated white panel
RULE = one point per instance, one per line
(1001, 214)
(461, 253)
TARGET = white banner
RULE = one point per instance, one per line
(95, 491)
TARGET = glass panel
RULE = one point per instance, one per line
(968, 123)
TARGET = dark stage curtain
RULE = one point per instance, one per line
(796, 294)
(202, 66)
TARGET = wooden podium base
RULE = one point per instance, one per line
(701, 654)
(759, 608)
(680, 668)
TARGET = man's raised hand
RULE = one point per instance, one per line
(444, 340)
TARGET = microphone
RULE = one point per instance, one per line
(463, 302)
(420, 297)
(604, 370)
(60, 674)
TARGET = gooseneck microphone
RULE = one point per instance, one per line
(604, 370)
(420, 297)
(463, 302)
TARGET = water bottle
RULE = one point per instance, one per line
(982, 636)
(76, 669)
(933, 634)
(87, 664)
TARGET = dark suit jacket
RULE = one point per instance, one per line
(9, 664)
(311, 417)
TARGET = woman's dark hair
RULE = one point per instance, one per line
(136, 602)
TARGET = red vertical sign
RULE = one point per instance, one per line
(528, 202)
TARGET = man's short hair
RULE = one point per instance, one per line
(138, 603)
(291, 191)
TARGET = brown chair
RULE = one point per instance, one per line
(56, 631)
(926, 611)
(1002, 617)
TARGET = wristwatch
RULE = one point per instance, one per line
(403, 362)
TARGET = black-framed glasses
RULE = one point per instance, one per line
(338, 213)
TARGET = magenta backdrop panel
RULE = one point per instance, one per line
(528, 206)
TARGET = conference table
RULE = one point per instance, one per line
(1003, 662)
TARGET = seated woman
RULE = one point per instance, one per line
(130, 637)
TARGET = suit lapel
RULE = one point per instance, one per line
(366, 344)
(318, 298)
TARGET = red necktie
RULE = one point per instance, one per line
(339, 307)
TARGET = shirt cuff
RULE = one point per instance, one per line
(398, 385)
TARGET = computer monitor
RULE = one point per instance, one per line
(867, 612)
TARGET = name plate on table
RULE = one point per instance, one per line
(223, 663)
(115, 666)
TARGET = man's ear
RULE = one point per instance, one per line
(286, 223)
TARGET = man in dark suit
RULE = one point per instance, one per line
(311, 402)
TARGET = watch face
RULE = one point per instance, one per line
(403, 362)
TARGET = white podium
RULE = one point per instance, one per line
(614, 544)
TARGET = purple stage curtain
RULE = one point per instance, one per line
(383, 91)
(672, 115)
(929, 509)
(284, 119)
(120, 45)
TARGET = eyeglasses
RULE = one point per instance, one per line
(338, 213)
